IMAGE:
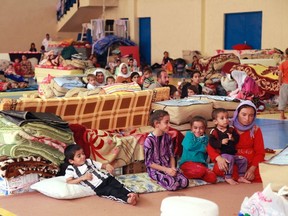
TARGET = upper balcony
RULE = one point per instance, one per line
(75, 12)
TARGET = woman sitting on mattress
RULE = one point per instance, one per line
(250, 145)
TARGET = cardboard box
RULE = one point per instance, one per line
(19, 184)
(277, 175)
(136, 167)
(275, 170)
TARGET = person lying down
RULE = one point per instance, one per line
(87, 173)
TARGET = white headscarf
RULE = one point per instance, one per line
(100, 70)
(120, 71)
(239, 77)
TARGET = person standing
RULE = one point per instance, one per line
(283, 83)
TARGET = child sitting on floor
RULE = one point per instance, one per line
(193, 161)
(87, 173)
(224, 138)
(17, 67)
(159, 156)
(10, 70)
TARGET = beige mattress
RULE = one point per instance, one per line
(16, 94)
(41, 73)
(181, 111)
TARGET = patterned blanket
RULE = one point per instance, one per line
(33, 139)
(265, 77)
(215, 63)
(142, 183)
(118, 147)
(114, 147)
(30, 148)
(39, 129)
(13, 167)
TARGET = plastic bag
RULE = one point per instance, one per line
(265, 203)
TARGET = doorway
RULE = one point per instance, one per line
(145, 40)
(243, 28)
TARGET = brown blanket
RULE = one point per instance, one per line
(13, 167)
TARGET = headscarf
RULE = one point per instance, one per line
(100, 70)
(120, 71)
(235, 122)
(239, 77)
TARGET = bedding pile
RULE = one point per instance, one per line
(32, 143)
(265, 77)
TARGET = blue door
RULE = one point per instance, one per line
(145, 40)
(243, 28)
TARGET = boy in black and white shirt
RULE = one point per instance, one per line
(87, 173)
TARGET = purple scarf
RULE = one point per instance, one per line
(238, 125)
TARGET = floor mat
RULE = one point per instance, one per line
(4, 212)
(142, 183)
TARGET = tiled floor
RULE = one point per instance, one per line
(274, 131)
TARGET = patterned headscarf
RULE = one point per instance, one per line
(235, 122)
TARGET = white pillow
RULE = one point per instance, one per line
(58, 188)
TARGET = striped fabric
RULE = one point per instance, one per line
(121, 87)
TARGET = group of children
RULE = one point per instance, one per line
(16, 74)
(160, 159)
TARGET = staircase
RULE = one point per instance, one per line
(82, 11)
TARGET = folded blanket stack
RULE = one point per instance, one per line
(32, 143)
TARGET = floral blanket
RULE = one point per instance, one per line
(115, 147)
(142, 183)
(118, 147)
(265, 77)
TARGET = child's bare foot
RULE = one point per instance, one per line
(132, 199)
(283, 117)
(243, 180)
(231, 181)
